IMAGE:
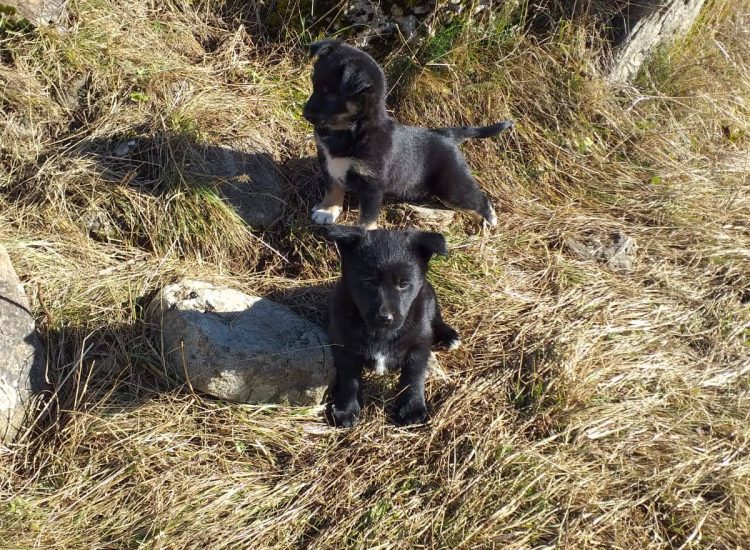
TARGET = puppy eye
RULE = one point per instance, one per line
(403, 285)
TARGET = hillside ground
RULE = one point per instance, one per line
(589, 407)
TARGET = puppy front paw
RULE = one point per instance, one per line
(411, 411)
(447, 337)
(345, 418)
(325, 215)
(491, 220)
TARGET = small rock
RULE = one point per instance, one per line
(100, 225)
(242, 348)
(38, 12)
(408, 25)
(123, 148)
(22, 367)
(615, 249)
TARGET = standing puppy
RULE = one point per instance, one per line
(384, 315)
(365, 151)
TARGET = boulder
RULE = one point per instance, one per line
(22, 367)
(640, 28)
(240, 347)
(38, 12)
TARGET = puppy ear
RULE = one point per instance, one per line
(343, 235)
(429, 243)
(354, 80)
(323, 47)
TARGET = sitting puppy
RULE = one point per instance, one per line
(384, 314)
(365, 151)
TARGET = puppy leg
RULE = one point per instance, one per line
(370, 201)
(410, 404)
(328, 211)
(458, 188)
(346, 408)
(444, 335)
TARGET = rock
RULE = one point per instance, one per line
(242, 348)
(368, 16)
(124, 147)
(38, 12)
(408, 25)
(614, 249)
(100, 225)
(251, 182)
(22, 367)
(642, 27)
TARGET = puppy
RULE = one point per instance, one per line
(384, 315)
(365, 151)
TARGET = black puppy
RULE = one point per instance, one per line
(383, 315)
(367, 152)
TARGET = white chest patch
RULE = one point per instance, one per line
(380, 368)
(337, 167)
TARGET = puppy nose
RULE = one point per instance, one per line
(384, 319)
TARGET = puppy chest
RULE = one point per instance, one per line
(382, 360)
(338, 167)
(380, 363)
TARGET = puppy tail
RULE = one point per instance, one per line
(460, 134)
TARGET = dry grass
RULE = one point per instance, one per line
(588, 407)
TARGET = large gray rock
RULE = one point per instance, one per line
(21, 354)
(644, 26)
(240, 347)
(39, 12)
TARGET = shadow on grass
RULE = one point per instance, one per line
(241, 174)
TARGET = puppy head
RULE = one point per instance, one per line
(384, 270)
(348, 85)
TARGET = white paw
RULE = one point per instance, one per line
(492, 222)
(454, 344)
(325, 216)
